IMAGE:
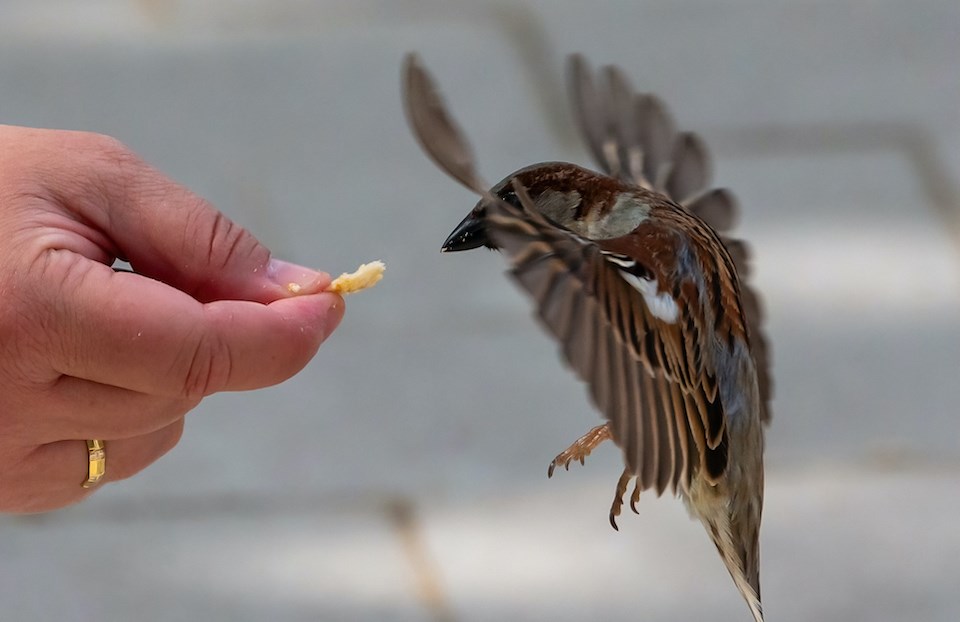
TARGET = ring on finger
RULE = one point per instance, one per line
(97, 463)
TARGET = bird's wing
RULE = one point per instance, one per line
(435, 129)
(632, 137)
(645, 375)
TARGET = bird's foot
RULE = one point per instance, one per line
(580, 448)
(622, 484)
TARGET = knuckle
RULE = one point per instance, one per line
(105, 145)
(225, 240)
(106, 153)
(209, 367)
(211, 237)
(114, 162)
(98, 167)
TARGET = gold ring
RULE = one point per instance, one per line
(97, 453)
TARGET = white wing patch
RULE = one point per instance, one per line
(621, 260)
(662, 306)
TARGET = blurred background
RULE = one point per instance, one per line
(402, 475)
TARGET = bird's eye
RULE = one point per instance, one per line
(512, 198)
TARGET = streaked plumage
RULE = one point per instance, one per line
(628, 271)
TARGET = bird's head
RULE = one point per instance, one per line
(590, 204)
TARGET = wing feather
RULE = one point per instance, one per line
(640, 372)
(651, 449)
(590, 111)
(689, 168)
(667, 450)
(622, 128)
(716, 207)
(655, 136)
(435, 129)
(630, 360)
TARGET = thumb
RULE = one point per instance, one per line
(170, 234)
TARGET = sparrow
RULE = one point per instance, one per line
(632, 272)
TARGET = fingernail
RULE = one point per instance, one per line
(296, 279)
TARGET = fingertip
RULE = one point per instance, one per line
(328, 309)
(334, 313)
(309, 320)
(317, 313)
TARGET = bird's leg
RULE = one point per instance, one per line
(580, 448)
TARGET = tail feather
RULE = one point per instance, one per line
(738, 542)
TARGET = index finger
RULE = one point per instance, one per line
(130, 331)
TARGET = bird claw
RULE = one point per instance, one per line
(580, 448)
(622, 484)
(635, 497)
(557, 461)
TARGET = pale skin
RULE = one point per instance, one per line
(90, 353)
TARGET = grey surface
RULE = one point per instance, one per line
(424, 496)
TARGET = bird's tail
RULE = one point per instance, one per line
(737, 538)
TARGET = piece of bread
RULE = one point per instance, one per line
(367, 275)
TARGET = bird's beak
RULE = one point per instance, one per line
(469, 234)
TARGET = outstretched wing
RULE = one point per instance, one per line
(435, 129)
(667, 424)
(632, 137)
(667, 417)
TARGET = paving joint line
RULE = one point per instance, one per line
(402, 514)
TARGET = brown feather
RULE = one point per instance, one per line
(685, 163)
(602, 324)
(652, 372)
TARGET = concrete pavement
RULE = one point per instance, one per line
(425, 497)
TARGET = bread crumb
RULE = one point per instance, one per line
(367, 275)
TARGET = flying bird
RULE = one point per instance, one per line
(634, 274)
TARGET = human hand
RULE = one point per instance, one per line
(90, 353)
